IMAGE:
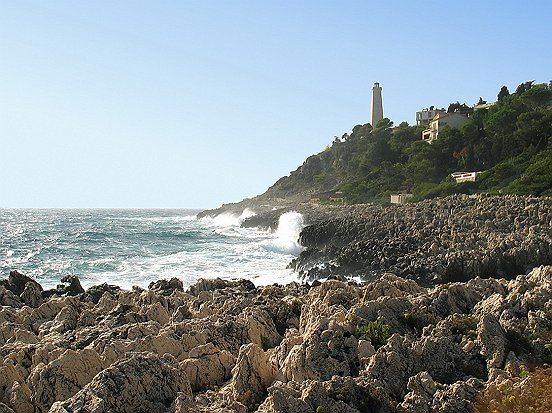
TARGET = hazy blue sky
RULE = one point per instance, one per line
(196, 103)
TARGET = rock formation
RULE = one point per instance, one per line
(433, 241)
(389, 345)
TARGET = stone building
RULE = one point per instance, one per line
(400, 198)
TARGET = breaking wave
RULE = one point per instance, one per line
(228, 219)
(286, 236)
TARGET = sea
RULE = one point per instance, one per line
(133, 247)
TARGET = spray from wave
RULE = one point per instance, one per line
(286, 235)
(228, 219)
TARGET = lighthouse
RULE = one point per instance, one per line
(377, 105)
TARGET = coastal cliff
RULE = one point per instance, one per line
(389, 345)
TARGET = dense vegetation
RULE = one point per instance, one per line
(510, 142)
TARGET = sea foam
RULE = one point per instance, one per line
(285, 238)
(228, 219)
(136, 247)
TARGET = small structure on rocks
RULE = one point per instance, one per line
(400, 198)
(331, 196)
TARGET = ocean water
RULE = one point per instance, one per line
(135, 246)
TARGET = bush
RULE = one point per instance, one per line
(446, 187)
(537, 178)
(378, 332)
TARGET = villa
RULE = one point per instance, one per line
(440, 120)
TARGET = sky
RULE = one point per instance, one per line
(191, 104)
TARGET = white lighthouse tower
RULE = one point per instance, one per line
(377, 105)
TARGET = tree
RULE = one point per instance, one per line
(385, 123)
(538, 95)
(459, 108)
(402, 137)
(503, 93)
(533, 128)
(478, 117)
(499, 126)
(360, 131)
(424, 163)
(377, 153)
(524, 87)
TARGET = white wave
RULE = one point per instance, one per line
(228, 219)
(237, 260)
(188, 218)
(286, 237)
(102, 261)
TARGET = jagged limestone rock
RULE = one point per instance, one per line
(63, 377)
(252, 375)
(141, 383)
(207, 366)
(448, 342)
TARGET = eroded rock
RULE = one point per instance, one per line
(207, 366)
(140, 383)
(230, 348)
(252, 375)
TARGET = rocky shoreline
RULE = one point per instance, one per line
(456, 238)
(455, 314)
(389, 345)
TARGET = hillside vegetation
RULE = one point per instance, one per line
(510, 142)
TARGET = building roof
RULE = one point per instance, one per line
(442, 115)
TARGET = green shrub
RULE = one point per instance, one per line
(378, 332)
(523, 372)
(537, 178)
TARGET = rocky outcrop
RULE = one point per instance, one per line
(63, 377)
(141, 383)
(70, 285)
(207, 366)
(253, 374)
(448, 239)
(389, 345)
(19, 290)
